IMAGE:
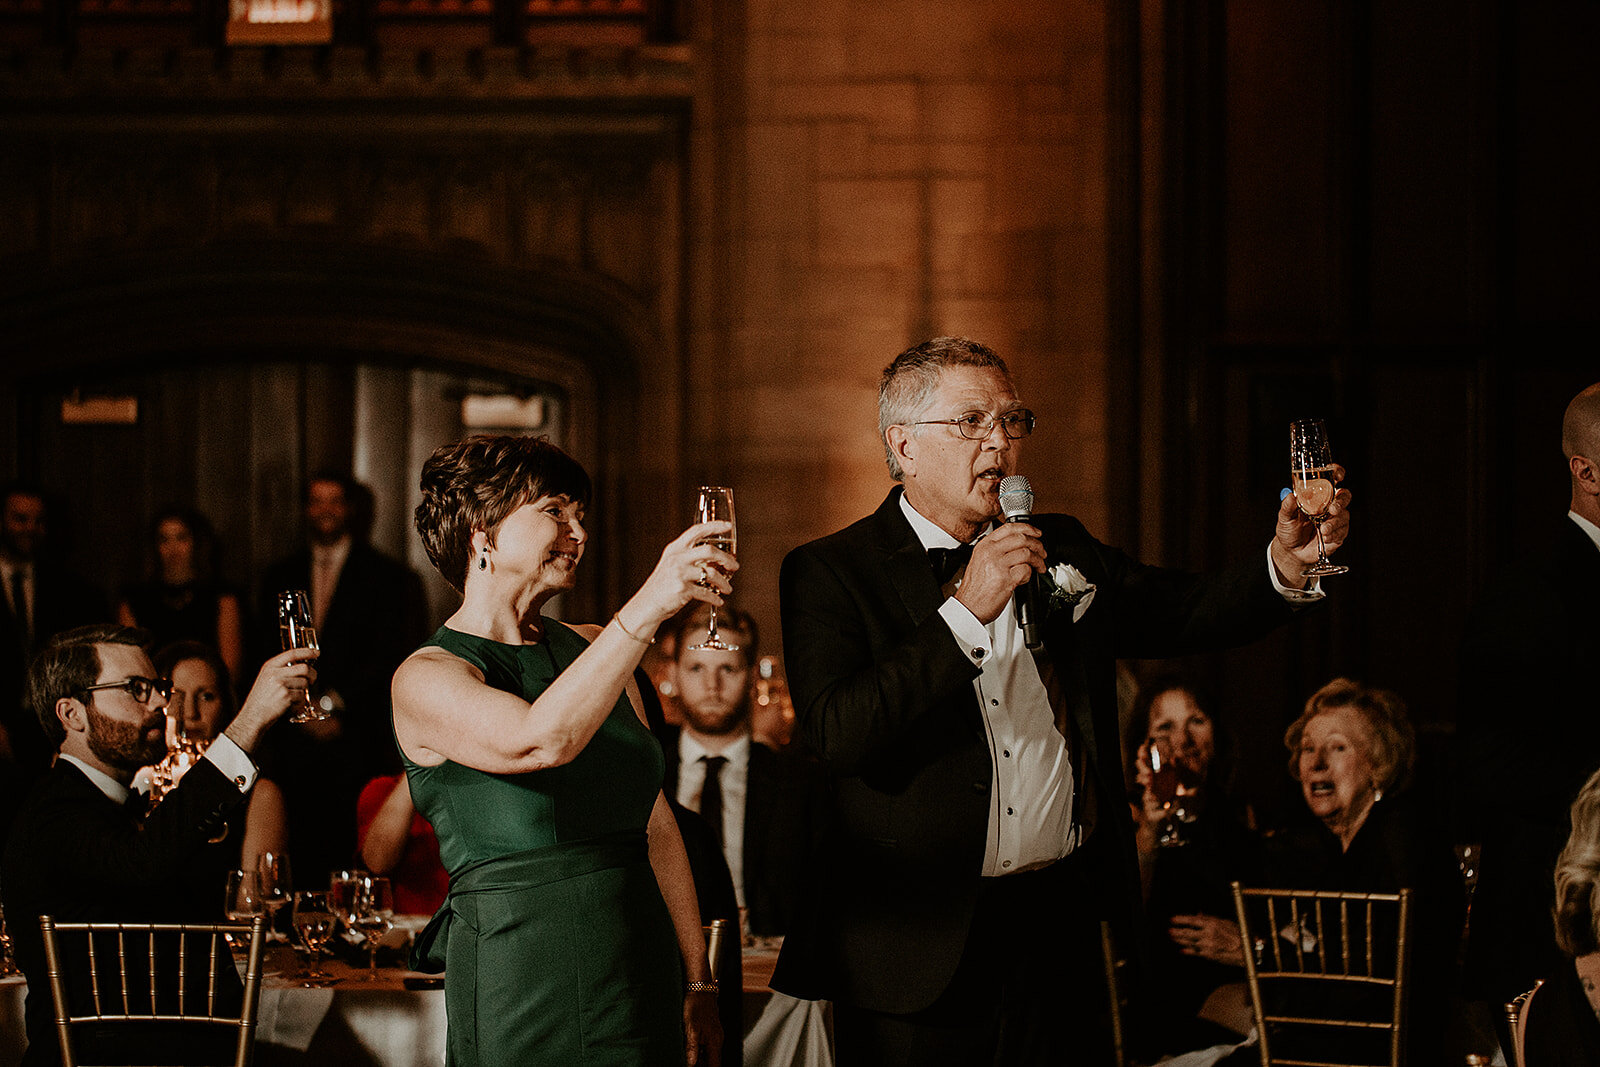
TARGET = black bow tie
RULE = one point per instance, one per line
(947, 562)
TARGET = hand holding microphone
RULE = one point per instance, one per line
(1005, 564)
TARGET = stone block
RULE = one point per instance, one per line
(891, 107)
(863, 223)
(917, 38)
(969, 111)
(842, 148)
(808, 58)
(778, 179)
(960, 206)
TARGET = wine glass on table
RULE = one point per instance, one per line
(714, 503)
(1164, 790)
(275, 885)
(242, 902)
(1314, 478)
(373, 917)
(297, 628)
(313, 924)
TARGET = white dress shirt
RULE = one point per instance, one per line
(327, 563)
(22, 612)
(1030, 803)
(735, 783)
(1586, 526)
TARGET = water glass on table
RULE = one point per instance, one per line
(314, 924)
(373, 917)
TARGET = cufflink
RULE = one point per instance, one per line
(240, 781)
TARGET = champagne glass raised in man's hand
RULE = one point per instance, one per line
(297, 628)
(714, 503)
(1314, 477)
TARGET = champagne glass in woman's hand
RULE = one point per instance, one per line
(1314, 477)
(297, 628)
(715, 503)
(1164, 789)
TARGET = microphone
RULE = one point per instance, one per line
(1016, 504)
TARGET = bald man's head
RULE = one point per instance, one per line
(1580, 442)
(1580, 430)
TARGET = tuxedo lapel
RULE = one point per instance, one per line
(905, 564)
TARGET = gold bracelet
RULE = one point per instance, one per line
(701, 987)
(616, 617)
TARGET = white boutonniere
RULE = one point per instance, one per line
(1069, 588)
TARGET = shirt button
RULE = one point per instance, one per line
(977, 653)
(1011, 811)
(1006, 863)
(994, 703)
(1006, 753)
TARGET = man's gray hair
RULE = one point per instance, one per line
(908, 384)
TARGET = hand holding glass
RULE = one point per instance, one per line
(1164, 788)
(297, 628)
(714, 503)
(1314, 477)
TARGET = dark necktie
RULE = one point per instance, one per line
(19, 597)
(137, 804)
(947, 562)
(711, 794)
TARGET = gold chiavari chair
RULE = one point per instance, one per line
(1517, 1016)
(1117, 996)
(1344, 953)
(179, 976)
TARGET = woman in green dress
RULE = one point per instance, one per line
(571, 933)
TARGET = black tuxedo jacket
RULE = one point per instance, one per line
(78, 856)
(377, 617)
(782, 804)
(885, 698)
(1530, 733)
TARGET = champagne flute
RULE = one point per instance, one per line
(275, 884)
(313, 922)
(1313, 476)
(297, 628)
(344, 891)
(1164, 788)
(715, 504)
(374, 916)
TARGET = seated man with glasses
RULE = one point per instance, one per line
(82, 849)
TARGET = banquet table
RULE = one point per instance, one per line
(389, 1022)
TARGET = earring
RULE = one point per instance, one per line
(483, 560)
(1377, 792)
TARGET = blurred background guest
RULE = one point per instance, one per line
(396, 840)
(42, 597)
(1563, 1021)
(1194, 839)
(182, 599)
(760, 804)
(200, 708)
(370, 613)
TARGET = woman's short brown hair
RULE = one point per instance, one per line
(474, 484)
(1394, 742)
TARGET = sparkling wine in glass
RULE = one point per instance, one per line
(275, 883)
(313, 924)
(1164, 788)
(373, 917)
(297, 628)
(714, 503)
(1314, 477)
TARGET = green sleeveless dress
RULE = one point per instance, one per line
(556, 943)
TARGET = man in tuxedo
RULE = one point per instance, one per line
(370, 614)
(979, 831)
(81, 849)
(759, 803)
(1530, 725)
(40, 598)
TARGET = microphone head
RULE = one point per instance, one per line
(1016, 496)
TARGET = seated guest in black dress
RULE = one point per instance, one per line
(1563, 1021)
(182, 600)
(1352, 751)
(1194, 839)
(79, 852)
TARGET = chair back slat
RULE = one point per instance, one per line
(1328, 953)
(182, 1006)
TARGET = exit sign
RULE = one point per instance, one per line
(280, 21)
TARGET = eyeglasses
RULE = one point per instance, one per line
(138, 688)
(978, 425)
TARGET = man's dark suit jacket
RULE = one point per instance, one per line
(781, 811)
(78, 856)
(1530, 732)
(378, 617)
(885, 697)
(61, 600)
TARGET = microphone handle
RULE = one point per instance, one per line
(1025, 602)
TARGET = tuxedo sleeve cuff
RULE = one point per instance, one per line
(970, 634)
(1312, 591)
(232, 762)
